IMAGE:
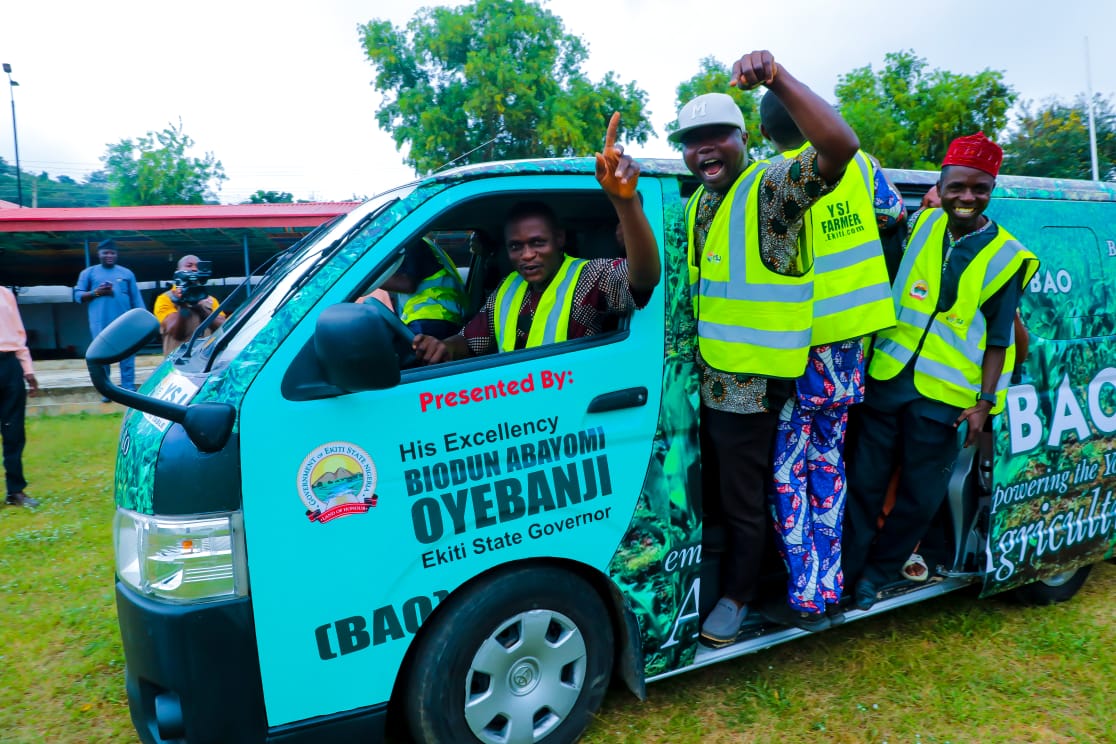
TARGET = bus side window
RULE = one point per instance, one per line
(1068, 297)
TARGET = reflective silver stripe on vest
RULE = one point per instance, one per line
(789, 340)
(893, 349)
(913, 317)
(1001, 261)
(506, 311)
(852, 300)
(945, 373)
(850, 257)
(865, 170)
(969, 344)
(738, 287)
(911, 254)
(550, 334)
(755, 292)
(955, 377)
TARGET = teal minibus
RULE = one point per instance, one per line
(319, 540)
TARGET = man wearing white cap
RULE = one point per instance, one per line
(752, 297)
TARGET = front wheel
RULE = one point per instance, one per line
(522, 657)
(1058, 588)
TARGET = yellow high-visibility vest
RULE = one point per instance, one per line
(751, 320)
(852, 291)
(551, 323)
(440, 296)
(949, 343)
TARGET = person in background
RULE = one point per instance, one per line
(549, 285)
(752, 295)
(109, 290)
(381, 296)
(946, 364)
(179, 314)
(436, 306)
(17, 381)
(852, 300)
(930, 198)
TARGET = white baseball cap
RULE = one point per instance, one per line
(710, 109)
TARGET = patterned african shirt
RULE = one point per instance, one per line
(788, 188)
(602, 294)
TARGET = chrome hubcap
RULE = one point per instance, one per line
(525, 678)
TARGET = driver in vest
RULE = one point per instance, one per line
(752, 295)
(551, 297)
(852, 300)
(947, 363)
(436, 305)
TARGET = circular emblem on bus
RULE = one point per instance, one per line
(335, 480)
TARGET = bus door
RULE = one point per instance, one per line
(364, 511)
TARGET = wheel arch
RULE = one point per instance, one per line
(627, 650)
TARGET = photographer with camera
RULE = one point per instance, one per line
(185, 306)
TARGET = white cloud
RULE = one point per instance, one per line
(279, 91)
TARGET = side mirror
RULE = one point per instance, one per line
(361, 347)
(124, 337)
(207, 424)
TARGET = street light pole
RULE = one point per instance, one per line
(15, 134)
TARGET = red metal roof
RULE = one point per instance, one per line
(176, 217)
(46, 246)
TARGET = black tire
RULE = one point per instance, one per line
(1059, 588)
(481, 672)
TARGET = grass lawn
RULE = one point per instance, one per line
(953, 669)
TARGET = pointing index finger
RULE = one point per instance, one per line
(613, 125)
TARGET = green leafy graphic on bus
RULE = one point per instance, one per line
(668, 515)
(139, 451)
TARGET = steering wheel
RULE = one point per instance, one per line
(403, 336)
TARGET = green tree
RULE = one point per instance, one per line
(906, 114)
(270, 197)
(1053, 140)
(61, 191)
(713, 77)
(491, 80)
(155, 169)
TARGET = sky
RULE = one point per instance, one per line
(280, 91)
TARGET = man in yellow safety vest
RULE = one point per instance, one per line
(550, 296)
(752, 297)
(436, 305)
(852, 300)
(947, 362)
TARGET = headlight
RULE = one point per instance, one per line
(181, 559)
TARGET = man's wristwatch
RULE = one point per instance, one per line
(987, 398)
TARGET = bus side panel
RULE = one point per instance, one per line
(1055, 451)
(658, 562)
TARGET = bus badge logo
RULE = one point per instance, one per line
(335, 480)
(920, 290)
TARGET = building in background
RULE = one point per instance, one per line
(42, 250)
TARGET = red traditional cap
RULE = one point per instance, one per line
(975, 151)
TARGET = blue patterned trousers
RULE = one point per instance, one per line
(808, 501)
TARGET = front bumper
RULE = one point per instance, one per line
(193, 676)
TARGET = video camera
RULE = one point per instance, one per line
(190, 283)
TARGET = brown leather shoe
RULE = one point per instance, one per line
(19, 498)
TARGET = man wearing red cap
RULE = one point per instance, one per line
(946, 363)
